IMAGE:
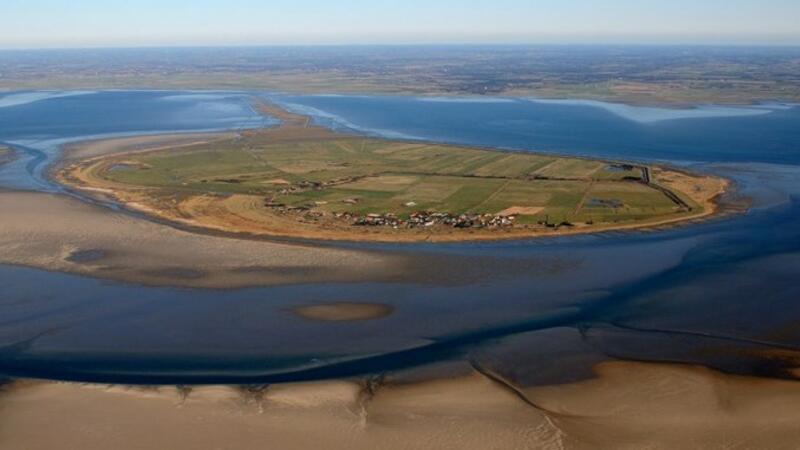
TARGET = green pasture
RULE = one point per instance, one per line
(362, 176)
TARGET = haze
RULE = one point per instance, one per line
(113, 23)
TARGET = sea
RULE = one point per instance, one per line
(721, 293)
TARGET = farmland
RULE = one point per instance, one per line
(640, 74)
(305, 181)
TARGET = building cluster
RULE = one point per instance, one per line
(419, 219)
(424, 219)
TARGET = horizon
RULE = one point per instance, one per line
(57, 24)
(443, 45)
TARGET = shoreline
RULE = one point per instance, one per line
(86, 153)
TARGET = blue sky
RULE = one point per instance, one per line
(77, 23)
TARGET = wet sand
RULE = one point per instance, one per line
(64, 234)
(628, 406)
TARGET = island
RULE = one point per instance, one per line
(301, 180)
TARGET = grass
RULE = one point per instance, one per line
(361, 176)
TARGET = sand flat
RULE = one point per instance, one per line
(141, 251)
(667, 406)
(458, 414)
(628, 406)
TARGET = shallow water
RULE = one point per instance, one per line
(710, 134)
(718, 293)
(37, 124)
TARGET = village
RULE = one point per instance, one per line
(422, 219)
(418, 219)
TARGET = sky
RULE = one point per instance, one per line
(131, 23)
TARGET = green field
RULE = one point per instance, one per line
(367, 176)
